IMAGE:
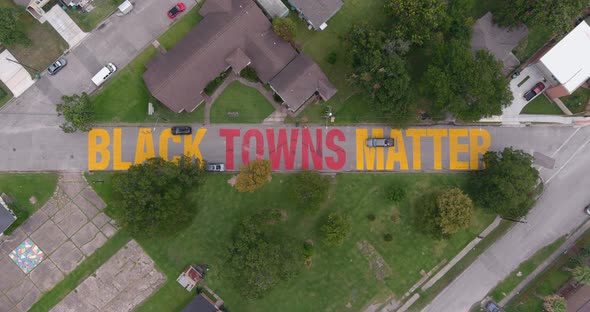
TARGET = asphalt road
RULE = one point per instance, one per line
(557, 213)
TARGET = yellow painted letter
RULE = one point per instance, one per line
(101, 148)
(416, 135)
(397, 153)
(455, 148)
(145, 145)
(165, 136)
(118, 163)
(365, 153)
(191, 147)
(437, 135)
(477, 149)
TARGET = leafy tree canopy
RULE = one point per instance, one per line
(310, 189)
(455, 210)
(78, 112)
(261, 255)
(9, 32)
(415, 21)
(150, 198)
(379, 71)
(468, 86)
(336, 229)
(253, 176)
(284, 28)
(508, 184)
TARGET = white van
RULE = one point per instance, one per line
(104, 74)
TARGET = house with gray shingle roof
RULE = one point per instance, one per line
(7, 217)
(317, 12)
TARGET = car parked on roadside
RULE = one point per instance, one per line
(538, 88)
(380, 142)
(57, 66)
(493, 307)
(181, 130)
(177, 9)
(587, 209)
(215, 167)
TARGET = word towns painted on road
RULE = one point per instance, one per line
(295, 148)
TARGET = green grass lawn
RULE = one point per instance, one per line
(526, 268)
(536, 39)
(541, 105)
(251, 106)
(5, 94)
(125, 97)
(338, 276)
(21, 187)
(46, 44)
(89, 20)
(577, 101)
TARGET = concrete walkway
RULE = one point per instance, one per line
(65, 26)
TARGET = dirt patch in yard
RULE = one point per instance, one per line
(378, 265)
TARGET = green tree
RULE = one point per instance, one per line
(426, 215)
(582, 274)
(10, 34)
(380, 73)
(455, 210)
(554, 303)
(284, 28)
(261, 255)
(414, 20)
(310, 189)
(336, 229)
(78, 112)
(468, 86)
(253, 176)
(151, 198)
(508, 184)
(558, 15)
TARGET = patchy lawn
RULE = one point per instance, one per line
(185, 23)
(329, 280)
(536, 39)
(5, 94)
(21, 187)
(89, 20)
(577, 101)
(46, 45)
(125, 97)
(541, 105)
(247, 102)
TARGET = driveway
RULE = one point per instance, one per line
(14, 75)
(510, 113)
(65, 26)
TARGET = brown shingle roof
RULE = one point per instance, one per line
(317, 12)
(178, 77)
(300, 80)
(238, 60)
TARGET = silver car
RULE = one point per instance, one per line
(215, 167)
(380, 142)
(57, 66)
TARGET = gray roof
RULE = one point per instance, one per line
(301, 79)
(317, 12)
(200, 303)
(6, 217)
(274, 8)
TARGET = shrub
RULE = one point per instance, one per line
(332, 57)
(310, 189)
(249, 74)
(335, 229)
(371, 217)
(277, 98)
(455, 210)
(388, 237)
(396, 193)
(284, 28)
(214, 84)
(308, 250)
(554, 303)
(253, 176)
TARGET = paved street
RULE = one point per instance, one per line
(558, 212)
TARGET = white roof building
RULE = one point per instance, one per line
(569, 60)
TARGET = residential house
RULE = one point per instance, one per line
(317, 12)
(233, 34)
(189, 278)
(201, 303)
(567, 65)
(7, 216)
(273, 8)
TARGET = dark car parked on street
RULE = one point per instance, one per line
(493, 307)
(538, 88)
(181, 130)
(57, 66)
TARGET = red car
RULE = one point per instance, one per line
(539, 87)
(177, 9)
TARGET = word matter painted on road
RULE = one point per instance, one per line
(295, 148)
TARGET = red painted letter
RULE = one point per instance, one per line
(246, 145)
(229, 135)
(340, 153)
(316, 152)
(274, 151)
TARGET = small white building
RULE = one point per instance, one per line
(568, 62)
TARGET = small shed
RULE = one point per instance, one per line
(191, 276)
(7, 217)
(273, 8)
